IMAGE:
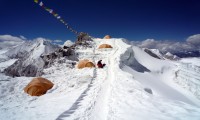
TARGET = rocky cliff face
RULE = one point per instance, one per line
(67, 53)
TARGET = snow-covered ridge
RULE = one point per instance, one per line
(154, 53)
(159, 55)
(37, 47)
(128, 58)
(170, 56)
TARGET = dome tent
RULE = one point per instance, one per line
(38, 86)
(85, 63)
(105, 46)
(107, 37)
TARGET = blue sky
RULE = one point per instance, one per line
(130, 19)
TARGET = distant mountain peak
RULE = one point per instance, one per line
(29, 54)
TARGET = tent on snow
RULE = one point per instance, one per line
(85, 63)
(38, 86)
(107, 37)
(105, 46)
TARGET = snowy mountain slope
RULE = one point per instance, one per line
(165, 72)
(29, 63)
(170, 56)
(114, 92)
(5, 61)
(3, 57)
(153, 64)
(37, 47)
(68, 43)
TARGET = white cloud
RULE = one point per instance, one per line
(22, 37)
(194, 39)
(192, 43)
(10, 38)
(9, 41)
(57, 41)
(150, 43)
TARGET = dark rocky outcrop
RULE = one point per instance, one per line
(83, 40)
(59, 53)
(151, 53)
(19, 69)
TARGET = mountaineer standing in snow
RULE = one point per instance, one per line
(100, 65)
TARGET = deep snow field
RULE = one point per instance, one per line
(132, 86)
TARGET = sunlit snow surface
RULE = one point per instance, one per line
(117, 92)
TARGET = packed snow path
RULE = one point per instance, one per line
(93, 103)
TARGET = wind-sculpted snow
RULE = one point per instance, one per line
(128, 59)
(188, 76)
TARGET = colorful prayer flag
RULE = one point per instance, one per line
(51, 11)
(36, 1)
(41, 4)
(62, 21)
(58, 17)
(47, 9)
(55, 15)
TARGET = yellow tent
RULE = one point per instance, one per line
(107, 37)
(38, 86)
(85, 63)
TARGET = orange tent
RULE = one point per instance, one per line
(105, 46)
(107, 37)
(38, 86)
(85, 63)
